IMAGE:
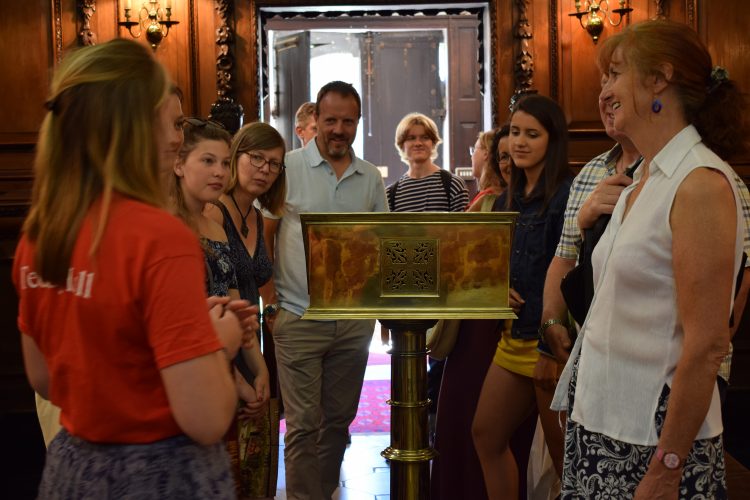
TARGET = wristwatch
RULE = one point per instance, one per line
(547, 324)
(670, 459)
(271, 310)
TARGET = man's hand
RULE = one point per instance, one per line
(545, 373)
(557, 338)
(602, 199)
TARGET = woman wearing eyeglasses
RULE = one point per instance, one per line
(256, 174)
(485, 170)
(490, 165)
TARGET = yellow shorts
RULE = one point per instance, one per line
(516, 355)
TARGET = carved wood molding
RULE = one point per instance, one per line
(523, 70)
(86, 9)
(554, 62)
(225, 109)
(660, 9)
(691, 17)
(494, 83)
(225, 58)
(57, 27)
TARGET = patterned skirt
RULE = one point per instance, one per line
(597, 466)
(175, 468)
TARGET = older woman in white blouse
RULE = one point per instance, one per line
(644, 412)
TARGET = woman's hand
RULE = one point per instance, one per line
(255, 398)
(515, 301)
(262, 385)
(245, 391)
(228, 329)
(659, 483)
(248, 316)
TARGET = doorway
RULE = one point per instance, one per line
(399, 64)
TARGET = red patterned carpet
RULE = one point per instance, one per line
(373, 414)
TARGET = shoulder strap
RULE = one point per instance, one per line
(391, 192)
(447, 179)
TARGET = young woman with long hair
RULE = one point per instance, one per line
(115, 326)
(538, 189)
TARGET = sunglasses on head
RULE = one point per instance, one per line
(200, 123)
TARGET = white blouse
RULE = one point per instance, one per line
(632, 338)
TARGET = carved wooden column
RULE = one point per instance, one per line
(523, 67)
(86, 9)
(226, 110)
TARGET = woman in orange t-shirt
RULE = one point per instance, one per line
(114, 322)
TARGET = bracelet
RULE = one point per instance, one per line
(547, 324)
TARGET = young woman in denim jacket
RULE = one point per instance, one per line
(538, 190)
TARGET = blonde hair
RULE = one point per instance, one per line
(98, 137)
(407, 122)
(253, 137)
(304, 113)
(489, 177)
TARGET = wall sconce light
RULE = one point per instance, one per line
(595, 13)
(152, 18)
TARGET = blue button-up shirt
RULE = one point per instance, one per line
(312, 186)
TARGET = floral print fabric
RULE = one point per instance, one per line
(599, 467)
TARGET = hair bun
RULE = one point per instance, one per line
(719, 75)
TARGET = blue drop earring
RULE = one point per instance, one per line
(656, 105)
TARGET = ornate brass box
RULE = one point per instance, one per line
(427, 265)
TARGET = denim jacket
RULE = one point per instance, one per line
(534, 243)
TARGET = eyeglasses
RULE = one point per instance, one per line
(504, 158)
(259, 161)
(473, 150)
(200, 123)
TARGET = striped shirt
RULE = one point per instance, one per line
(427, 194)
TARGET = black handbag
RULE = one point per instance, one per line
(578, 285)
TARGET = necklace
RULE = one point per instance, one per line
(243, 228)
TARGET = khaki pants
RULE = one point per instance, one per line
(321, 367)
(49, 418)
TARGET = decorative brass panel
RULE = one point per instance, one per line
(408, 265)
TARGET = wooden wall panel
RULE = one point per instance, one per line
(204, 57)
(724, 31)
(23, 86)
(502, 22)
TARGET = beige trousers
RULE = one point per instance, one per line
(49, 418)
(321, 366)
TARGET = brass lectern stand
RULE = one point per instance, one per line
(408, 270)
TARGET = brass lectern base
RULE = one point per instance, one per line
(410, 452)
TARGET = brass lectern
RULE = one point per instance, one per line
(408, 270)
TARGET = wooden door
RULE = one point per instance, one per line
(399, 76)
(292, 76)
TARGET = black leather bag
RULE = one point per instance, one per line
(578, 285)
